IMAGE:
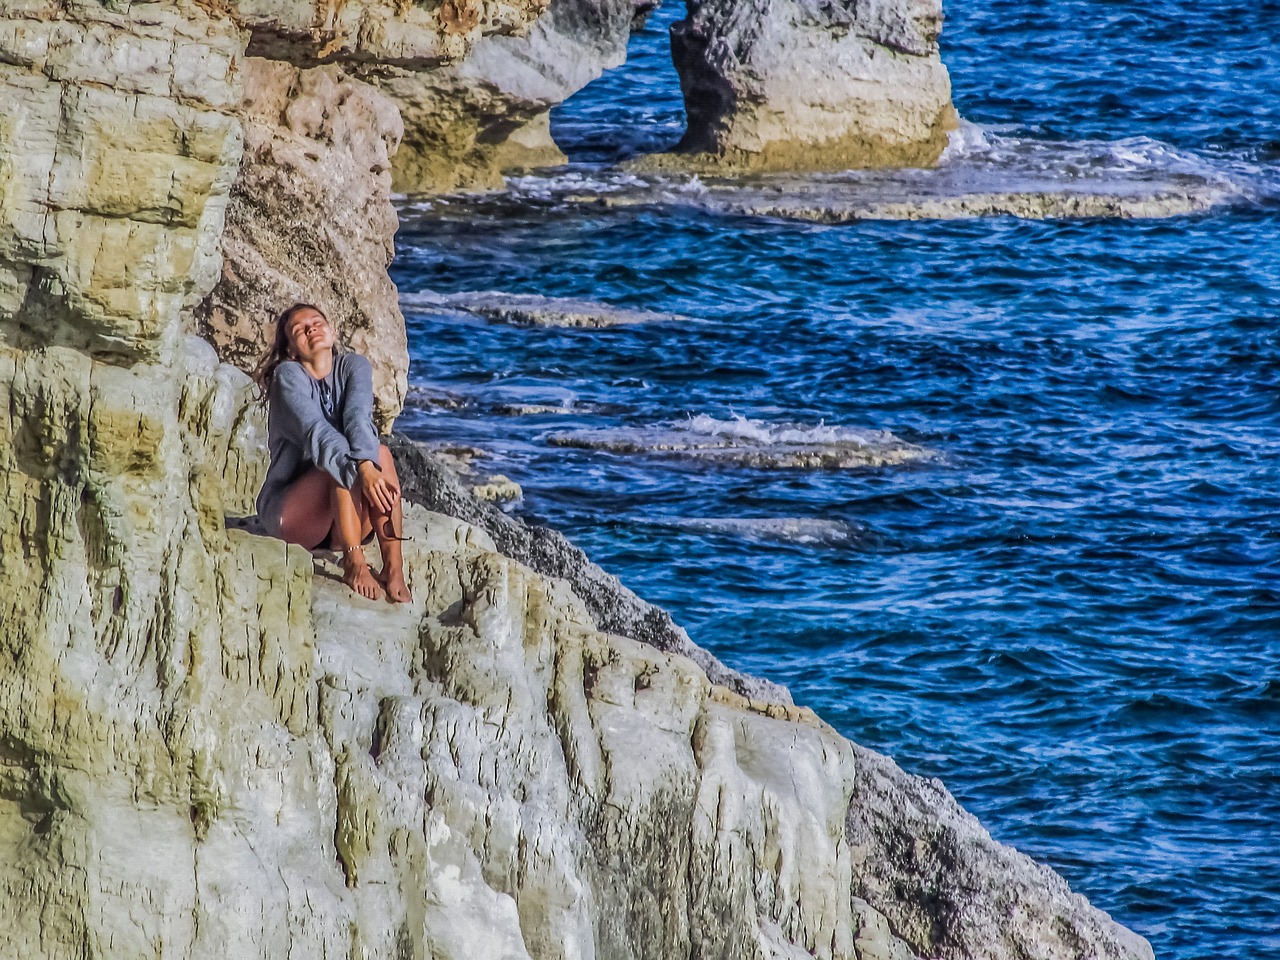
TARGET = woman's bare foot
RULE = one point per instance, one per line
(357, 575)
(393, 582)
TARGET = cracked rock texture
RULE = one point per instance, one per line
(210, 748)
(470, 122)
(408, 33)
(310, 220)
(427, 481)
(812, 85)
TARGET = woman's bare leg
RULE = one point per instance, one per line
(350, 527)
(307, 516)
(315, 508)
(389, 528)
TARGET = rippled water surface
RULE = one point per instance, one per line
(1065, 602)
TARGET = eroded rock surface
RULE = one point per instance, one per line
(118, 145)
(310, 220)
(402, 32)
(808, 85)
(925, 862)
(428, 481)
(471, 122)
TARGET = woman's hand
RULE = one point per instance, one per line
(379, 492)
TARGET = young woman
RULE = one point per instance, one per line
(331, 484)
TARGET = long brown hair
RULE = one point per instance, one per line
(265, 372)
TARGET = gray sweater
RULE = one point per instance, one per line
(317, 423)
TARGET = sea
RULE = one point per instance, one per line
(997, 497)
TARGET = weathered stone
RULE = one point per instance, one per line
(808, 85)
(468, 123)
(1048, 182)
(857, 450)
(926, 864)
(311, 221)
(426, 480)
(532, 310)
(497, 488)
(404, 32)
(109, 227)
(502, 760)
(1150, 201)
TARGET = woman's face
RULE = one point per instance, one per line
(310, 334)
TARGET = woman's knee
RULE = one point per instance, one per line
(387, 462)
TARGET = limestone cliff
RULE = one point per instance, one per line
(471, 122)
(310, 219)
(209, 748)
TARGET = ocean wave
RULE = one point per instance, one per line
(499, 402)
(751, 443)
(800, 531)
(965, 140)
(561, 185)
(765, 433)
(532, 310)
(1126, 165)
(432, 400)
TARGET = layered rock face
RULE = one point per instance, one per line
(118, 150)
(320, 143)
(809, 85)
(310, 217)
(310, 220)
(471, 122)
(209, 748)
(119, 146)
(403, 32)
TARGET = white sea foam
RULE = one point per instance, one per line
(1118, 162)
(751, 443)
(965, 140)
(534, 310)
(573, 182)
(804, 531)
(766, 434)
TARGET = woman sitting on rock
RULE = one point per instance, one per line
(331, 484)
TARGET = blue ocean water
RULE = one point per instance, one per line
(1068, 607)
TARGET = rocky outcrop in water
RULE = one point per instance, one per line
(804, 85)
(1048, 181)
(532, 310)
(751, 444)
(209, 748)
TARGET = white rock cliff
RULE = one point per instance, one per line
(209, 748)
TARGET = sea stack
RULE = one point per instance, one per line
(807, 85)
